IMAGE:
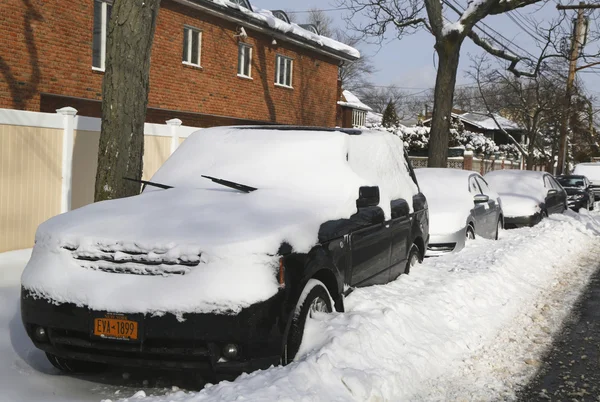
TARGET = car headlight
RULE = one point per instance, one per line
(578, 196)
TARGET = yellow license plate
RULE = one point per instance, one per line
(116, 327)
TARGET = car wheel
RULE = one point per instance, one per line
(314, 298)
(413, 258)
(470, 233)
(74, 366)
(498, 229)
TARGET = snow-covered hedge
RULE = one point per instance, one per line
(417, 138)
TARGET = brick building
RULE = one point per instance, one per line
(213, 62)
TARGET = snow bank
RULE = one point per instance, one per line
(521, 191)
(207, 238)
(395, 342)
(448, 198)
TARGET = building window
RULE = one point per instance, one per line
(283, 71)
(192, 43)
(244, 60)
(359, 118)
(102, 11)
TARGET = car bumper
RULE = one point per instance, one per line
(166, 342)
(521, 221)
(440, 244)
(575, 205)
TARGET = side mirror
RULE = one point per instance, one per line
(552, 191)
(367, 197)
(481, 198)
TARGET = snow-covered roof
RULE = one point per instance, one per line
(351, 100)
(266, 19)
(485, 122)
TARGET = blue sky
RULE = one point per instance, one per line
(409, 62)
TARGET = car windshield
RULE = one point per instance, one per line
(571, 181)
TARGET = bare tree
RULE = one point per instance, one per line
(125, 97)
(379, 97)
(408, 16)
(354, 74)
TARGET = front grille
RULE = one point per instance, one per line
(149, 349)
(126, 261)
(441, 247)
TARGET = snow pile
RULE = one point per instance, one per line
(284, 27)
(589, 170)
(521, 191)
(396, 342)
(448, 198)
(218, 238)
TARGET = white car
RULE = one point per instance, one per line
(527, 196)
(461, 206)
(592, 172)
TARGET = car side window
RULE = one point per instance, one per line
(547, 183)
(473, 186)
(555, 184)
(485, 189)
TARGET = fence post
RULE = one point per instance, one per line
(468, 160)
(174, 125)
(68, 114)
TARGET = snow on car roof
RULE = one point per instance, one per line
(518, 182)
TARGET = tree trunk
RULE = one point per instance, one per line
(448, 50)
(530, 150)
(125, 97)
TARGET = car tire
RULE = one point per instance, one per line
(414, 257)
(314, 298)
(74, 366)
(470, 234)
(498, 229)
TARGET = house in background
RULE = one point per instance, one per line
(351, 111)
(212, 62)
(484, 124)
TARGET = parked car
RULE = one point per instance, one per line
(580, 193)
(527, 196)
(592, 172)
(461, 207)
(241, 236)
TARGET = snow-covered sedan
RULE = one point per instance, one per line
(238, 238)
(527, 196)
(461, 207)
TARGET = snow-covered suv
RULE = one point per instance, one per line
(239, 237)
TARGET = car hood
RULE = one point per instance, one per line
(575, 190)
(448, 215)
(514, 205)
(177, 250)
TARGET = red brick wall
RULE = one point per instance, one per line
(47, 47)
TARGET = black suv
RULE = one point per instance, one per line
(580, 193)
(381, 236)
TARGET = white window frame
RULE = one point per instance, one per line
(103, 33)
(190, 31)
(359, 118)
(245, 51)
(286, 69)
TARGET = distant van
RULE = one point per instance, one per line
(592, 172)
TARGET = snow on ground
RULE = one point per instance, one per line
(470, 325)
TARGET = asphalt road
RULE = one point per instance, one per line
(570, 371)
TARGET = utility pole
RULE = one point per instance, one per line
(579, 32)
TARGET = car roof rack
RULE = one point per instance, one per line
(349, 131)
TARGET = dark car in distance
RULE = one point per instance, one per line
(580, 193)
(374, 241)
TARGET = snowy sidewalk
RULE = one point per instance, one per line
(470, 325)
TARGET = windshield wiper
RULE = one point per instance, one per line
(149, 183)
(236, 186)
